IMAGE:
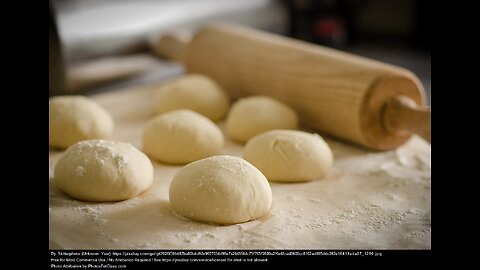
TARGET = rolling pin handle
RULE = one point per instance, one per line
(171, 46)
(402, 114)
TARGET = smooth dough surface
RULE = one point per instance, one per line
(257, 114)
(194, 92)
(182, 136)
(289, 155)
(220, 190)
(75, 118)
(102, 171)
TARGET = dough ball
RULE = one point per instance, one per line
(194, 92)
(254, 115)
(289, 155)
(181, 136)
(103, 171)
(221, 190)
(76, 118)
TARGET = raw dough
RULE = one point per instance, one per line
(221, 190)
(75, 118)
(195, 92)
(254, 115)
(102, 171)
(289, 155)
(181, 136)
(368, 200)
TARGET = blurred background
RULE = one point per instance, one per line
(97, 46)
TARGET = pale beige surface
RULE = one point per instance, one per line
(367, 200)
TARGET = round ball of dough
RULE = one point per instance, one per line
(289, 155)
(254, 115)
(76, 118)
(194, 92)
(181, 136)
(221, 190)
(103, 171)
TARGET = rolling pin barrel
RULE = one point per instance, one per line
(341, 94)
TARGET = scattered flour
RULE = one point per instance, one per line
(368, 200)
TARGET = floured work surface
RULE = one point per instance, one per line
(379, 200)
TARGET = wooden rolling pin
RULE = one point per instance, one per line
(357, 99)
